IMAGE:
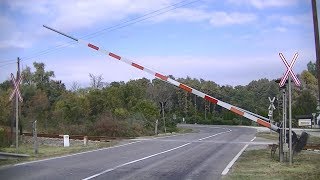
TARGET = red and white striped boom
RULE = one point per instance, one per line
(176, 83)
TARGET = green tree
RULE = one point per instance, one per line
(312, 68)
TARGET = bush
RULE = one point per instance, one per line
(4, 138)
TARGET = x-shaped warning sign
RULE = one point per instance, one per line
(289, 70)
(271, 106)
(16, 90)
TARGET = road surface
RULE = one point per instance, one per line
(203, 154)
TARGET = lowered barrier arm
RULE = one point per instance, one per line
(211, 99)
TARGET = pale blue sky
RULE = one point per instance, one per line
(229, 42)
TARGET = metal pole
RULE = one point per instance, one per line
(283, 130)
(290, 124)
(164, 121)
(316, 40)
(285, 115)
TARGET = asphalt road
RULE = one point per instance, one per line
(200, 155)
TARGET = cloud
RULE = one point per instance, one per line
(299, 19)
(281, 29)
(223, 18)
(261, 4)
(74, 14)
(10, 37)
(215, 18)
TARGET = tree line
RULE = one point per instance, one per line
(132, 108)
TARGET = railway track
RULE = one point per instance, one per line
(78, 137)
(312, 147)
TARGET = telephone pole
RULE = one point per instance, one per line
(17, 106)
(316, 40)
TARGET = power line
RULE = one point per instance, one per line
(109, 29)
(4, 61)
(176, 5)
(6, 64)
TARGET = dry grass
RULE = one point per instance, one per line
(258, 164)
(49, 151)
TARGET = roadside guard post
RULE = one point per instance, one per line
(66, 141)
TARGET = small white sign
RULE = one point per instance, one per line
(304, 122)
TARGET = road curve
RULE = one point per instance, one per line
(203, 154)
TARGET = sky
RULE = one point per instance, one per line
(230, 42)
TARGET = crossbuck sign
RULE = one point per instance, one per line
(16, 90)
(289, 70)
(271, 106)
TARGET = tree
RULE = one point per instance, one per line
(37, 108)
(312, 68)
(5, 107)
(305, 104)
(309, 82)
(41, 77)
(96, 81)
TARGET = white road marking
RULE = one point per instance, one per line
(226, 170)
(30, 162)
(134, 161)
(75, 154)
(147, 157)
(214, 135)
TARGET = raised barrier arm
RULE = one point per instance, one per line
(211, 99)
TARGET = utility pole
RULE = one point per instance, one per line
(17, 107)
(316, 40)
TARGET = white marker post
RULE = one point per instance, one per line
(282, 82)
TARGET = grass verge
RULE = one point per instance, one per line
(185, 130)
(49, 151)
(258, 164)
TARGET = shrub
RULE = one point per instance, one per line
(4, 138)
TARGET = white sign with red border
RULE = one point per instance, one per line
(16, 90)
(289, 70)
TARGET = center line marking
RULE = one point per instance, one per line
(214, 135)
(134, 161)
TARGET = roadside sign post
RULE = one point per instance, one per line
(271, 108)
(288, 75)
(35, 139)
(290, 124)
(284, 122)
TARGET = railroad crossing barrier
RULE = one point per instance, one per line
(207, 97)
